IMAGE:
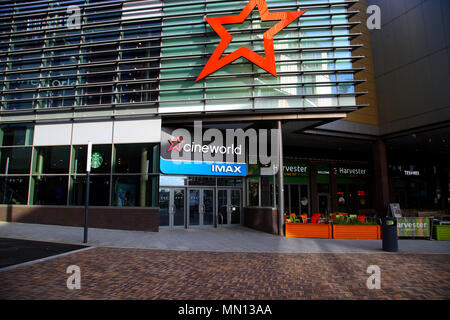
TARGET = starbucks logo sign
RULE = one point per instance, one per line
(96, 160)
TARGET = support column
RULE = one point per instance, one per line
(381, 196)
(314, 201)
(144, 177)
(280, 181)
(333, 189)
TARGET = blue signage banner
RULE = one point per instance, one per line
(185, 167)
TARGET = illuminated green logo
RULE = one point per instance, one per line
(96, 160)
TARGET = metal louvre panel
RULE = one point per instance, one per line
(119, 58)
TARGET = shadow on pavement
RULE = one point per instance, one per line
(13, 251)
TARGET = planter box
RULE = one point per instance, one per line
(308, 230)
(356, 232)
(441, 232)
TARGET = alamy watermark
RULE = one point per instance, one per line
(227, 146)
(374, 281)
(74, 18)
(373, 17)
(74, 280)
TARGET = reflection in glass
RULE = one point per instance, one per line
(52, 160)
(16, 135)
(178, 207)
(222, 207)
(164, 205)
(194, 207)
(208, 207)
(172, 181)
(135, 158)
(135, 191)
(15, 160)
(98, 191)
(14, 190)
(235, 206)
(50, 190)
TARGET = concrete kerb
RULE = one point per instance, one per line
(235, 239)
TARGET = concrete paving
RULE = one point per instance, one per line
(232, 239)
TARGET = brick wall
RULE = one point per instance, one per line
(137, 219)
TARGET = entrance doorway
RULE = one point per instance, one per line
(172, 207)
(324, 203)
(199, 206)
(229, 206)
(296, 198)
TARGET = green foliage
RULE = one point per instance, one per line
(350, 221)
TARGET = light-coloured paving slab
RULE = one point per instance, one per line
(233, 239)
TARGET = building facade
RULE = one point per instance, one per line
(125, 74)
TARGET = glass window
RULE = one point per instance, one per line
(253, 192)
(16, 135)
(98, 191)
(266, 191)
(231, 182)
(201, 181)
(135, 191)
(136, 158)
(51, 160)
(173, 181)
(15, 160)
(101, 155)
(14, 190)
(50, 190)
(19, 105)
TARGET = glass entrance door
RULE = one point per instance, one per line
(201, 207)
(164, 207)
(296, 198)
(178, 207)
(235, 202)
(208, 207)
(228, 206)
(171, 207)
(194, 208)
(324, 203)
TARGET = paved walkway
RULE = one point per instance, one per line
(235, 239)
(114, 273)
(229, 263)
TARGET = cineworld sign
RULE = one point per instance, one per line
(215, 152)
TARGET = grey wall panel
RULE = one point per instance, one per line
(137, 131)
(411, 61)
(445, 11)
(434, 26)
(96, 132)
(58, 134)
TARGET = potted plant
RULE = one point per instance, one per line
(308, 230)
(352, 228)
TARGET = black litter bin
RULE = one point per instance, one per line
(390, 237)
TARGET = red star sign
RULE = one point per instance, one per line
(175, 144)
(267, 63)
